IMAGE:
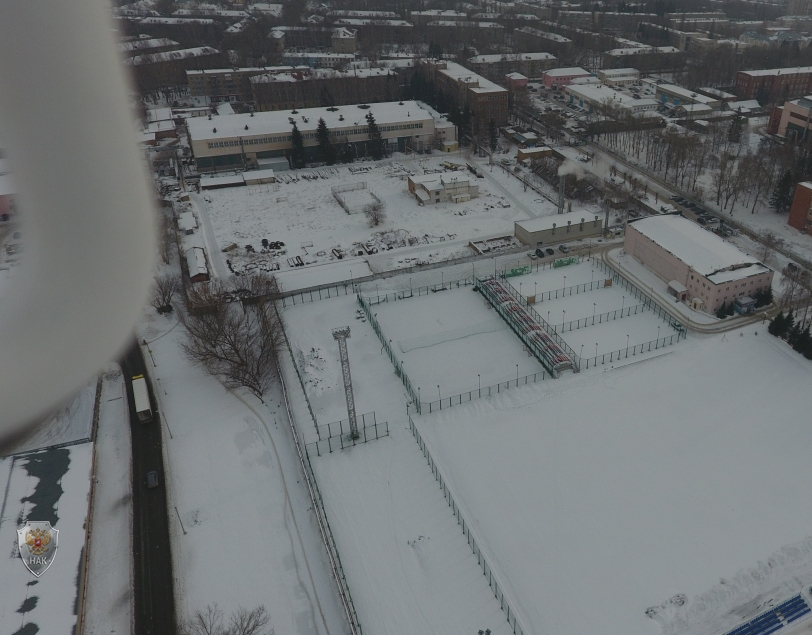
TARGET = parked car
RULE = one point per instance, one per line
(550, 251)
(540, 253)
(152, 479)
(563, 249)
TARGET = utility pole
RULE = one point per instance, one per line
(341, 334)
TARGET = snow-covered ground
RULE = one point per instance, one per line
(600, 495)
(53, 485)
(70, 424)
(108, 600)
(305, 216)
(242, 532)
(408, 566)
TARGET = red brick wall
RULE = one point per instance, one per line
(800, 208)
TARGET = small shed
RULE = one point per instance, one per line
(257, 177)
(533, 153)
(678, 290)
(196, 262)
(187, 223)
(558, 228)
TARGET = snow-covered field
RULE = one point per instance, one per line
(53, 485)
(601, 495)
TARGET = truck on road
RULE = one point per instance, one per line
(143, 408)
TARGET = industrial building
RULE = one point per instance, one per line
(696, 265)
(246, 140)
(443, 187)
(486, 100)
(560, 228)
(774, 83)
(495, 67)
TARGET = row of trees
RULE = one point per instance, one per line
(794, 331)
(332, 153)
(739, 173)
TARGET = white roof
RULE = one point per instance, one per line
(307, 119)
(141, 44)
(258, 175)
(703, 251)
(437, 180)
(187, 221)
(372, 21)
(171, 56)
(544, 223)
(461, 74)
(780, 71)
(695, 107)
(512, 57)
(620, 72)
(319, 73)
(196, 261)
(566, 72)
(685, 93)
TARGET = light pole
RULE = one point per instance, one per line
(352, 284)
(535, 288)
(596, 352)
(438, 392)
(658, 333)
(582, 351)
(517, 374)
(548, 317)
(627, 345)
(622, 306)
(563, 317)
(479, 381)
(594, 307)
(565, 283)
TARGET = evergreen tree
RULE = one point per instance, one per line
(376, 143)
(730, 309)
(346, 154)
(721, 312)
(297, 151)
(803, 342)
(327, 151)
(763, 297)
(776, 324)
(781, 198)
(794, 334)
(734, 133)
(492, 133)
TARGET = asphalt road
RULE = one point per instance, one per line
(152, 561)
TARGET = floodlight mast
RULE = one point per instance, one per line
(341, 334)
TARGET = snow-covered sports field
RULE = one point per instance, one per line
(601, 495)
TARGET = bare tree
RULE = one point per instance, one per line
(206, 622)
(375, 213)
(245, 622)
(209, 621)
(235, 341)
(166, 286)
(769, 241)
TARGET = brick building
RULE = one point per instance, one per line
(495, 67)
(160, 70)
(486, 100)
(312, 88)
(775, 84)
(800, 214)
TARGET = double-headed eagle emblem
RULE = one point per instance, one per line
(38, 543)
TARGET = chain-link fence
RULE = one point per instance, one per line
(487, 570)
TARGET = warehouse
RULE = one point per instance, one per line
(229, 141)
(557, 229)
(712, 271)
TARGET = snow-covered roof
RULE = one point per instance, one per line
(352, 13)
(371, 21)
(686, 94)
(572, 71)
(544, 34)
(266, 7)
(705, 252)
(746, 105)
(174, 21)
(142, 44)
(544, 223)
(318, 73)
(620, 72)
(206, 11)
(511, 57)
(475, 82)
(187, 221)
(438, 180)
(196, 261)
(171, 56)
(278, 121)
(779, 71)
